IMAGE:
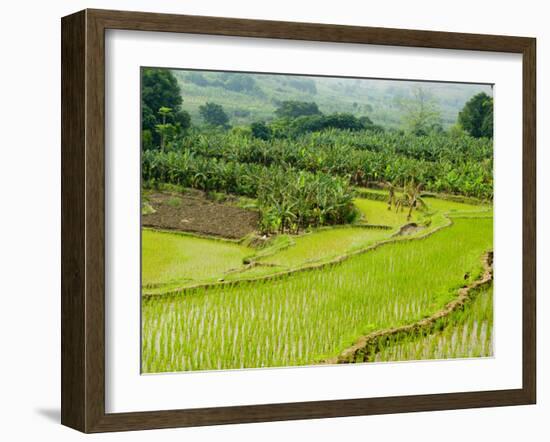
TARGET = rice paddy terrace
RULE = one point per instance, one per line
(215, 303)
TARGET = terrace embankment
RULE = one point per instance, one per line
(366, 347)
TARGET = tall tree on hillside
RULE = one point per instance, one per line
(261, 130)
(241, 83)
(160, 89)
(422, 113)
(164, 129)
(477, 116)
(214, 115)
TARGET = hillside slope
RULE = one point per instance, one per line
(253, 97)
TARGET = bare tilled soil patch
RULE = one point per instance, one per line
(193, 212)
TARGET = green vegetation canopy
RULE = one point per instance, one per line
(477, 116)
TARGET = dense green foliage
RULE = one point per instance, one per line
(295, 118)
(260, 130)
(295, 109)
(160, 89)
(477, 116)
(443, 163)
(292, 128)
(290, 201)
(303, 139)
(214, 115)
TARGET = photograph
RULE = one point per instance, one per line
(301, 220)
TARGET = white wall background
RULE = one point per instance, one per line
(30, 217)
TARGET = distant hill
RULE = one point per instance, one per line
(254, 97)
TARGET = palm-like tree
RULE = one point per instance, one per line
(412, 194)
(391, 191)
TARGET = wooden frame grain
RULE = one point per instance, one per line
(83, 216)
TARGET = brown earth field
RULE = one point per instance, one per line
(193, 212)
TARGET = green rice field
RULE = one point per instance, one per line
(466, 334)
(377, 213)
(174, 259)
(309, 315)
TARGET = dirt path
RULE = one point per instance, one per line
(367, 346)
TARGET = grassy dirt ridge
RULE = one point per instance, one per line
(366, 347)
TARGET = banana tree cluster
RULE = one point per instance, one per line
(289, 199)
(443, 163)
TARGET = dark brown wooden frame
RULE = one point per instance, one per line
(83, 215)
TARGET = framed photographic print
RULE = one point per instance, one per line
(268, 220)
